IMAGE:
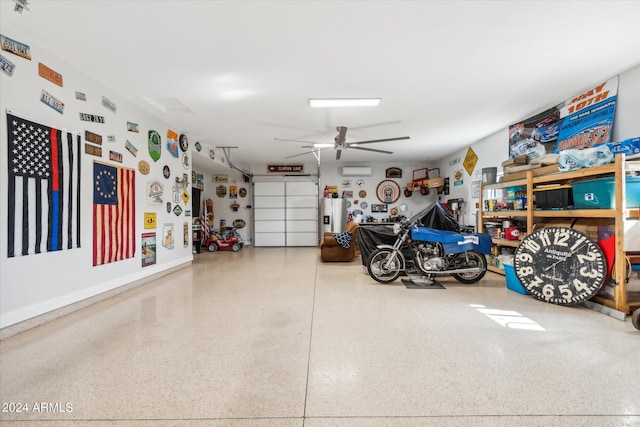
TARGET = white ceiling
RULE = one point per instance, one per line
(449, 72)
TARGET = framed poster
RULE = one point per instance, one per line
(148, 249)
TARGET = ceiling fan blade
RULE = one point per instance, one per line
(370, 149)
(294, 140)
(338, 153)
(393, 122)
(297, 155)
(378, 140)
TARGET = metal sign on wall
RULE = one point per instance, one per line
(285, 168)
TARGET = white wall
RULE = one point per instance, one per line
(626, 122)
(35, 284)
(331, 175)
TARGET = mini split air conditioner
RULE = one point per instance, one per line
(356, 171)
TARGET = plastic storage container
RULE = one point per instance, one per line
(555, 197)
(601, 193)
(489, 175)
(512, 280)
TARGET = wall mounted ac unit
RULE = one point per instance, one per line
(356, 171)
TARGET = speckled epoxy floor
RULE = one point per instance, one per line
(274, 337)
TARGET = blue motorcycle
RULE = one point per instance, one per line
(429, 252)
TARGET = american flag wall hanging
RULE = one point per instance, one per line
(43, 188)
(114, 213)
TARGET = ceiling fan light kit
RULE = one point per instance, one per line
(343, 102)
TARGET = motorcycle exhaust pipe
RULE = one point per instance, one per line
(458, 271)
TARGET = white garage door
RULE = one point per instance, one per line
(285, 212)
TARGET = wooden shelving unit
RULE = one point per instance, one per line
(618, 169)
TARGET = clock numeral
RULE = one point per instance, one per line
(535, 282)
(591, 275)
(548, 290)
(589, 256)
(561, 239)
(525, 271)
(531, 245)
(565, 291)
(525, 257)
(580, 285)
(544, 239)
(578, 243)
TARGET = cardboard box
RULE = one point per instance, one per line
(554, 222)
(519, 160)
(542, 170)
(593, 226)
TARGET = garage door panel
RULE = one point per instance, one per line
(302, 239)
(269, 226)
(269, 202)
(269, 188)
(269, 239)
(297, 214)
(269, 214)
(302, 201)
(302, 226)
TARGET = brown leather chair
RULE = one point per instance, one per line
(331, 250)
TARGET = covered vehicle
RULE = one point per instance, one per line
(436, 216)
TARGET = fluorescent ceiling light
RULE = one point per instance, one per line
(343, 102)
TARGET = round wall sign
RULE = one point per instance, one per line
(184, 142)
(221, 190)
(143, 167)
(388, 191)
(560, 265)
(364, 205)
(362, 194)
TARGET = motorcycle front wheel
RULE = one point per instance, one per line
(475, 260)
(384, 265)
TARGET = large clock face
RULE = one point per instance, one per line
(560, 265)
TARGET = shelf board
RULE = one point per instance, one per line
(505, 242)
(505, 184)
(580, 173)
(499, 214)
(495, 269)
(577, 213)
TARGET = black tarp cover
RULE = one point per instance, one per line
(433, 216)
(438, 217)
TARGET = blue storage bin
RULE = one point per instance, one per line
(512, 280)
(601, 193)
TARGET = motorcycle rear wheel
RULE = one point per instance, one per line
(384, 265)
(475, 260)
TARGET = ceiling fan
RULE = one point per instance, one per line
(340, 144)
